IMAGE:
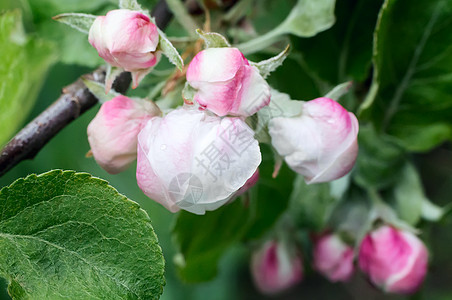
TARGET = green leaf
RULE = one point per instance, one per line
(70, 235)
(306, 19)
(188, 93)
(311, 205)
(309, 17)
(410, 200)
(202, 240)
(81, 22)
(380, 161)
(413, 62)
(344, 52)
(182, 16)
(213, 39)
(169, 50)
(25, 62)
(409, 195)
(110, 77)
(280, 106)
(129, 4)
(431, 212)
(270, 197)
(340, 90)
(267, 66)
(98, 90)
(44, 9)
(351, 215)
(71, 45)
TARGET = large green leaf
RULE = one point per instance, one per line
(24, 63)
(413, 67)
(69, 235)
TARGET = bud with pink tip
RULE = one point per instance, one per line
(113, 133)
(276, 267)
(226, 84)
(394, 260)
(333, 258)
(321, 143)
(194, 161)
(126, 39)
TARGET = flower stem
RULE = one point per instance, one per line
(262, 42)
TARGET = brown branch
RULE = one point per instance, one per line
(74, 101)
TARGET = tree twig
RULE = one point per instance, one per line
(74, 101)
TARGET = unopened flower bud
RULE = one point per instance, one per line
(333, 258)
(113, 133)
(276, 267)
(126, 39)
(195, 161)
(321, 143)
(226, 84)
(394, 260)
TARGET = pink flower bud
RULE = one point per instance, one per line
(321, 144)
(394, 260)
(226, 83)
(126, 39)
(275, 267)
(113, 133)
(333, 258)
(194, 161)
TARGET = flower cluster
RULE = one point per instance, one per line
(201, 155)
(392, 259)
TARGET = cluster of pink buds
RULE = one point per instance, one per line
(202, 155)
(393, 260)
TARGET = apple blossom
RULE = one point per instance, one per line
(248, 184)
(394, 260)
(333, 258)
(321, 143)
(112, 134)
(276, 267)
(226, 83)
(126, 39)
(192, 160)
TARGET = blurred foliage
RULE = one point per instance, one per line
(407, 73)
(24, 60)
